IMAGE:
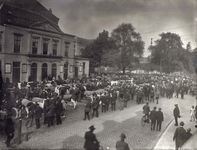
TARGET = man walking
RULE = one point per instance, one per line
(91, 142)
(159, 119)
(179, 136)
(153, 115)
(122, 145)
(146, 110)
(176, 113)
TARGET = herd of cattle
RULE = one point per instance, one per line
(29, 93)
(32, 93)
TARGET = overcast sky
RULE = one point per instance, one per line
(86, 18)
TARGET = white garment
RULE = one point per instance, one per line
(192, 112)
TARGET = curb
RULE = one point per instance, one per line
(162, 135)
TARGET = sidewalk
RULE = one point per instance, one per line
(166, 140)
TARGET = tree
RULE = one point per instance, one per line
(97, 49)
(169, 54)
(128, 43)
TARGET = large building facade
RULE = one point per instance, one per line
(32, 46)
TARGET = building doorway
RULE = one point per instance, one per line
(44, 71)
(54, 71)
(34, 72)
(16, 72)
(76, 71)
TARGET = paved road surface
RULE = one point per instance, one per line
(109, 126)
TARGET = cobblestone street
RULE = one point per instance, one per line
(109, 126)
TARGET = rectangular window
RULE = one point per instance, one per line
(8, 68)
(55, 47)
(35, 46)
(66, 48)
(17, 43)
(0, 42)
(45, 46)
(24, 68)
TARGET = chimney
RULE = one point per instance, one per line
(50, 10)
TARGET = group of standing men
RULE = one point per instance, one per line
(156, 117)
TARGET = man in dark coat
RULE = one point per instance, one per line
(38, 115)
(159, 119)
(126, 98)
(153, 116)
(58, 111)
(9, 131)
(50, 115)
(87, 109)
(179, 136)
(113, 100)
(122, 145)
(95, 105)
(176, 113)
(91, 142)
(103, 103)
(146, 110)
(188, 134)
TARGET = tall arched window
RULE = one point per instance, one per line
(54, 70)
(44, 71)
(34, 72)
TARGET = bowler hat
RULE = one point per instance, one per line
(123, 135)
(92, 127)
(182, 123)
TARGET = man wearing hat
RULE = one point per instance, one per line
(179, 136)
(91, 142)
(122, 145)
(159, 119)
(153, 116)
(176, 113)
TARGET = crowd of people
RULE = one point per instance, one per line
(143, 88)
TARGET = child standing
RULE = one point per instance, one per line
(192, 113)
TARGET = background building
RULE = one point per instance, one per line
(32, 46)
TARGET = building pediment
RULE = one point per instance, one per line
(46, 25)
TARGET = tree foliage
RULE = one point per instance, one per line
(128, 43)
(169, 54)
(97, 49)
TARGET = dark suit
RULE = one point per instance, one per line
(90, 139)
(153, 116)
(95, 106)
(179, 137)
(176, 113)
(146, 110)
(113, 100)
(159, 119)
(38, 115)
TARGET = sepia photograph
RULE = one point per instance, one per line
(98, 74)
